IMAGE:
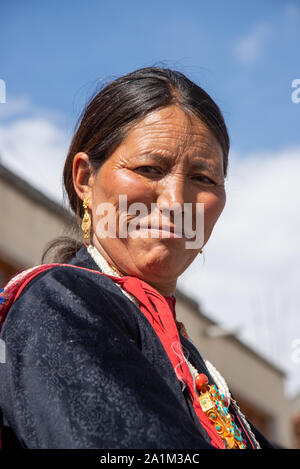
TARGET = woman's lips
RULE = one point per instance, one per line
(166, 233)
(166, 230)
(163, 230)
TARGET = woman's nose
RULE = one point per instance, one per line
(170, 192)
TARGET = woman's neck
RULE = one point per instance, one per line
(166, 289)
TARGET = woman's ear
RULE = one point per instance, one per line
(82, 175)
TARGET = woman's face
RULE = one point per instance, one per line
(167, 159)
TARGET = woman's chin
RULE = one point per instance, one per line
(158, 263)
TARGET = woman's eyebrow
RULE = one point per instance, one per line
(204, 164)
(155, 156)
(200, 163)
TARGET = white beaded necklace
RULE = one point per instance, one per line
(215, 374)
(107, 269)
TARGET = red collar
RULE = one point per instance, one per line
(171, 300)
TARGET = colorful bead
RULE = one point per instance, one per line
(201, 380)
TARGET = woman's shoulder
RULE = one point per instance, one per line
(52, 276)
(55, 284)
(44, 296)
(74, 278)
(61, 294)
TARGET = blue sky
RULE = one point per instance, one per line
(245, 54)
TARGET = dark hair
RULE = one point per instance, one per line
(108, 116)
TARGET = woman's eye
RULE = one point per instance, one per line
(204, 179)
(149, 170)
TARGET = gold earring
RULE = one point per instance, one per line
(201, 251)
(86, 221)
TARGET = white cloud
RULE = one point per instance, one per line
(250, 273)
(15, 106)
(248, 48)
(34, 147)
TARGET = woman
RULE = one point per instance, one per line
(94, 355)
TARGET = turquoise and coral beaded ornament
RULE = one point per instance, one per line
(215, 406)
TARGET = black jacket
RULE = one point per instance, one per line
(85, 369)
